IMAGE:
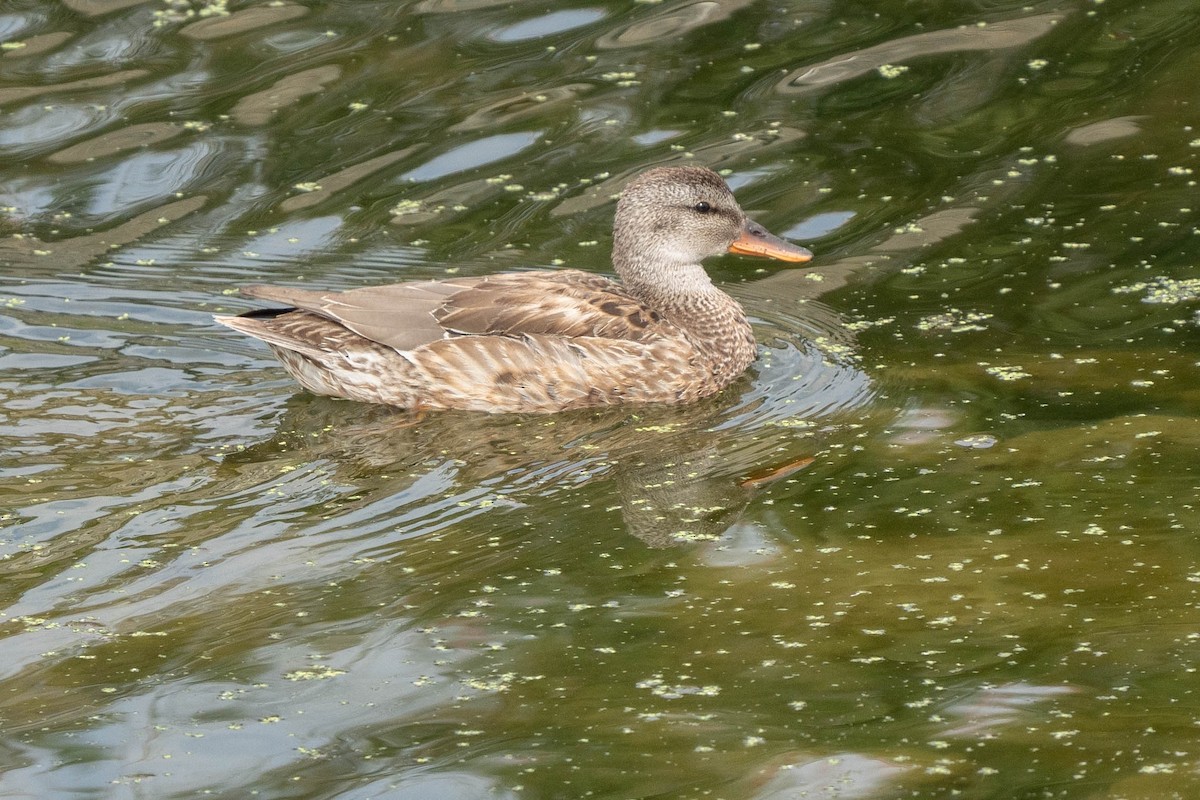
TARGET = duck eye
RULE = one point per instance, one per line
(702, 207)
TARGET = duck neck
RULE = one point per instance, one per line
(684, 294)
(667, 285)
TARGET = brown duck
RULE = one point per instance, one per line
(542, 341)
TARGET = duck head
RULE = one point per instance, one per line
(669, 219)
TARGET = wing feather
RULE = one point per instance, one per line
(398, 315)
(405, 316)
(568, 303)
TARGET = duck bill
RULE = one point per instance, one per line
(755, 240)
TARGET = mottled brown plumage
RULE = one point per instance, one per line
(541, 341)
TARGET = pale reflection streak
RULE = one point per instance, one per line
(990, 36)
(96, 8)
(28, 250)
(670, 23)
(16, 93)
(994, 708)
(1105, 130)
(258, 108)
(452, 6)
(247, 19)
(523, 105)
(855, 775)
(344, 179)
(118, 141)
(36, 45)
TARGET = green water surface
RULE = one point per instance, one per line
(942, 541)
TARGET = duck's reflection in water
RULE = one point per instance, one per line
(676, 474)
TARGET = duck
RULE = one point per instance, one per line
(541, 341)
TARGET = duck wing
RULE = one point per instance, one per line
(398, 315)
(405, 316)
(567, 303)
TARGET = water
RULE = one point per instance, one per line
(940, 542)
